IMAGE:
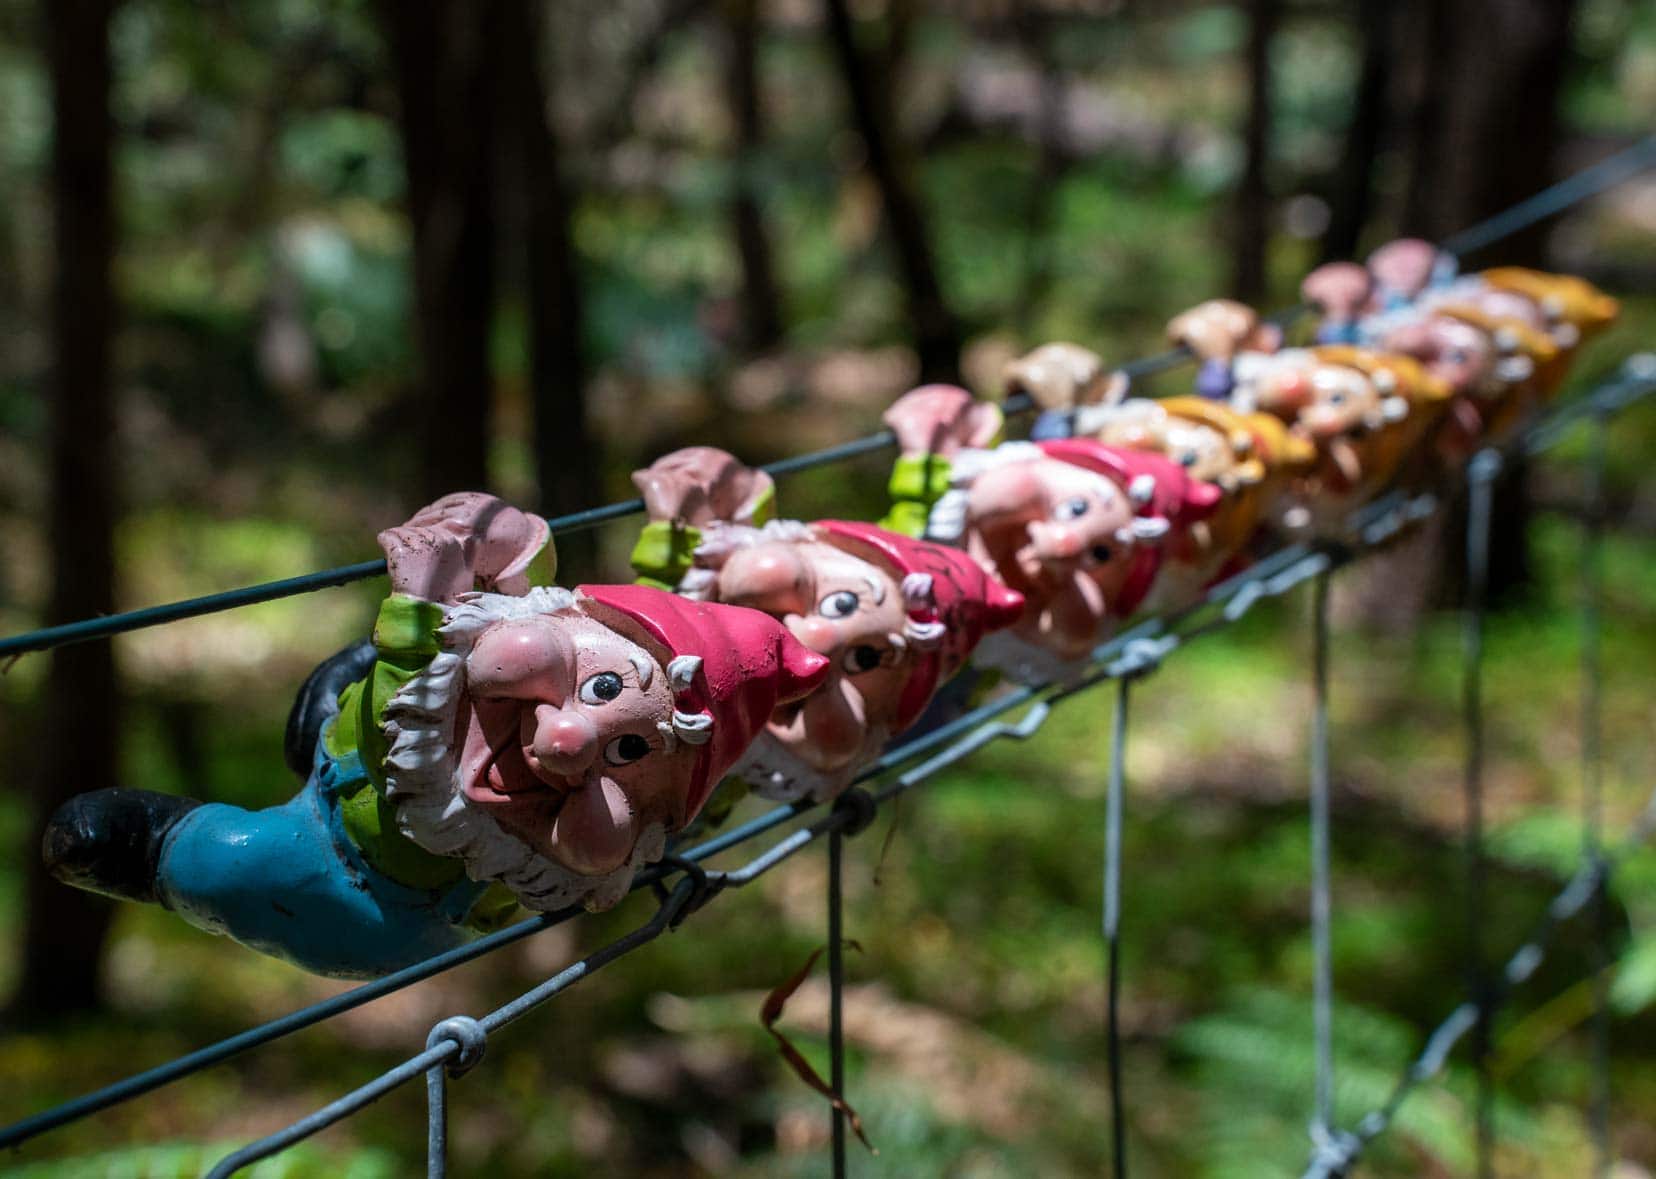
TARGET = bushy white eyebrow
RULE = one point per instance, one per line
(876, 589)
(643, 665)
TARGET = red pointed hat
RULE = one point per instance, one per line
(750, 664)
(963, 597)
(1159, 489)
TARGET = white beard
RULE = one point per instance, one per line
(776, 773)
(422, 779)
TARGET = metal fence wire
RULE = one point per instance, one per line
(685, 884)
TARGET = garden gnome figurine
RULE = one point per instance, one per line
(1073, 525)
(531, 747)
(895, 617)
(1061, 378)
(1218, 331)
(931, 424)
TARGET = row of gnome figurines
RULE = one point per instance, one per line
(498, 745)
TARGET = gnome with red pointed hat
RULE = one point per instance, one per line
(1077, 527)
(533, 747)
(896, 617)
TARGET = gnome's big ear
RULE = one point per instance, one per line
(681, 671)
(1144, 530)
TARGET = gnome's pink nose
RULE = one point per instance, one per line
(1056, 542)
(565, 741)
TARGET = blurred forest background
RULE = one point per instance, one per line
(286, 268)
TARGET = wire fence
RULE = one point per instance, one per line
(684, 883)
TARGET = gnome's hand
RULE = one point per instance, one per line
(941, 420)
(430, 563)
(701, 485)
(500, 540)
(1339, 290)
(1062, 376)
(1220, 328)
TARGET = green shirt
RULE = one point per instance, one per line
(405, 635)
(917, 482)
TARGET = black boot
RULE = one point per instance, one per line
(318, 699)
(109, 841)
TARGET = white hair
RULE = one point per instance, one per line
(422, 779)
(720, 539)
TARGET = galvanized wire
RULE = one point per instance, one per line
(1482, 472)
(1112, 926)
(1592, 786)
(1322, 905)
(836, 995)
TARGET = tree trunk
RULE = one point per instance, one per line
(1351, 192)
(446, 60)
(1035, 35)
(1253, 198)
(761, 295)
(937, 334)
(1488, 140)
(64, 928)
(567, 462)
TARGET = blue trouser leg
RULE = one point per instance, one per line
(288, 882)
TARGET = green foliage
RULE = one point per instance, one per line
(261, 185)
(184, 1161)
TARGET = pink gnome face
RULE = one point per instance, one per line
(1343, 402)
(1061, 535)
(1454, 351)
(560, 737)
(842, 607)
(894, 618)
(568, 740)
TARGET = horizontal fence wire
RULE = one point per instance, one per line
(1549, 202)
(1139, 649)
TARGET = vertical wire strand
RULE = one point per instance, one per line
(836, 982)
(1321, 885)
(1112, 926)
(436, 1122)
(1481, 474)
(1592, 797)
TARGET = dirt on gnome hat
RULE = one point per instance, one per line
(729, 665)
(943, 589)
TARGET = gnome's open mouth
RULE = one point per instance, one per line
(503, 776)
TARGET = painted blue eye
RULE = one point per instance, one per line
(841, 604)
(601, 688)
(1071, 508)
